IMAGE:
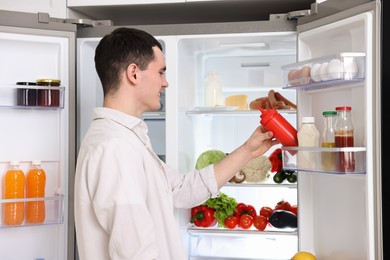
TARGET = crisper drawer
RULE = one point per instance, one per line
(245, 244)
(346, 160)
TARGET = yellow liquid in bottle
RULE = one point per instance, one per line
(328, 158)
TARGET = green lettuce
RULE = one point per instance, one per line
(209, 157)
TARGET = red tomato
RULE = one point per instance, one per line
(294, 209)
(284, 205)
(231, 222)
(266, 211)
(246, 221)
(260, 222)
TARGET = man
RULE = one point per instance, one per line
(124, 194)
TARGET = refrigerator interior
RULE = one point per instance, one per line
(90, 95)
(35, 133)
(337, 210)
(250, 64)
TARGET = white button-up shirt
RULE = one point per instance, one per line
(125, 195)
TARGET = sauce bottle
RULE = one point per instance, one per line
(213, 91)
(283, 131)
(14, 185)
(328, 140)
(308, 136)
(35, 188)
(344, 137)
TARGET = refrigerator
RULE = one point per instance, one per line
(339, 215)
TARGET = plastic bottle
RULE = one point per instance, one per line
(308, 136)
(35, 188)
(213, 91)
(14, 186)
(328, 140)
(344, 137)
(283, 131)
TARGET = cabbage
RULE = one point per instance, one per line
(209, 157)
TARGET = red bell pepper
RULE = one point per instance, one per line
(203, 216)
(276, 160)
(243, 208)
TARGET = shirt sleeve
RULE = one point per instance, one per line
(192, 188)
(117, 190)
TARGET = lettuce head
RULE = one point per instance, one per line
(209, 157)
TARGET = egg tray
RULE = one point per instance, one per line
(342, 66)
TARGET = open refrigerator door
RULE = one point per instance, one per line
(38, 124)
(340, 212)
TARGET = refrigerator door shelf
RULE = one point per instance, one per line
(32, 97)
(325, 71)
(54, 208)
(216, 112)
(323, 160)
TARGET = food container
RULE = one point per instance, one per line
(342, 66)
(50, 95)
(26, 96)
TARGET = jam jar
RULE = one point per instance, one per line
(47, 96)
(26, 96)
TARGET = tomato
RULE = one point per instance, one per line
(284, 205)
(243, 208)
(266, 211)
(260, 222)
(294, 209)
(246, 221)
(231, 222)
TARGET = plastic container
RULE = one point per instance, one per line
(328, 140)
(14, 185)
(308, 136)
(35, 188)
(344, 137)
(48, 97)
(283, 131)
(213, 91)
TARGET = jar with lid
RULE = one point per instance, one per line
(47, 96)
(213, 91)
(328, 140)
(308, 136)
(344, 137)
(26, 96)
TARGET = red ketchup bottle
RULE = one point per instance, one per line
(283, 131)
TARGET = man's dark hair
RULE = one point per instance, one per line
(117, 50)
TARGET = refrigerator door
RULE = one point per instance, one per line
(32, 48)
(340, 213)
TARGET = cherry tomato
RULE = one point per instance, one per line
(284, 205)
(231, 222)
(260, 222)
(266, 211)
(246, 221)
(294, 209)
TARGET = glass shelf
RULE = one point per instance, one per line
(195, 112)
(324, 160)
(54, 207)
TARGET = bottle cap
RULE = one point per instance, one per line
(266, 115)
(308, 119)
(329, 113)
(14, 162)
(344, 108)
(36, 162)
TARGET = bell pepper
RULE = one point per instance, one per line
(276, 160)
(243, 208)
(203, 216)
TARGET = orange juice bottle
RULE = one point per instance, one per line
(35, 188)
(14, 184)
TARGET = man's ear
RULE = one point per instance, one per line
(131, 73)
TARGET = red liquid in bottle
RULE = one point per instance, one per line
(345, 160)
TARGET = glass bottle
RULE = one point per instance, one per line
(35, 188)
(328, 140)
(344, 137)
(308, 136)
(14, 184)
(213, 91)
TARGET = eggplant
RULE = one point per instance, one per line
(283, 219)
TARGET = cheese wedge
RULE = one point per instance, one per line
(240, 101)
